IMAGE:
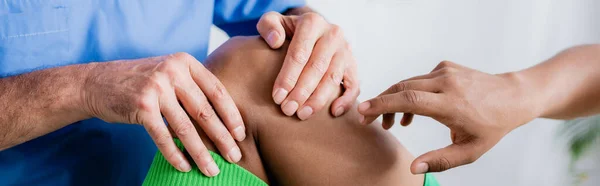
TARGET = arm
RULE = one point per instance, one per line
(37, 103)
(568, 84)
(481, 108)
(140, 91)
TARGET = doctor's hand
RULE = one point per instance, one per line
(176, 87)
(479, 109)
(318, 61)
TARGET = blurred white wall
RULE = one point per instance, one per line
(398, 39)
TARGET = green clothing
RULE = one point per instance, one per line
(161, 173)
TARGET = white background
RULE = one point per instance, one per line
(398, 39)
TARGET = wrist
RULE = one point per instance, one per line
(531, 96)
(78, 89)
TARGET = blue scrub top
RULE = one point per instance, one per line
(38, 34)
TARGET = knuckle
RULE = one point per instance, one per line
(299, 57)
(399, 87)
(169, 67)
(205, 113)
(303, 94)
(144, 103)
(312, 17)
(272, 14)
(184, 130)
(443, 164)
(182, 57)
(288, 82)
(223, 137)
(335, 77)
(162, 140)
(445, 64)
(202, 157)
(219, 92)
(320, 64)
(171, 156)
(447, 70)
(411, 97)
(381, 100)
(336, 31)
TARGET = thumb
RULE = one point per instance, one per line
(444, 159)
(271, 27)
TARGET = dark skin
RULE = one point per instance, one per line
(141, 91)
(324, 150)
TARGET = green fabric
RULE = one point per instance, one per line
(430, 180)
(161, 173)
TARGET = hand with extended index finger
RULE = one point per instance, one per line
(318, 61)
(479, 109)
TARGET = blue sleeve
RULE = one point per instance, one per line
(239, 17)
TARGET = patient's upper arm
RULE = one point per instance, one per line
(322, 150)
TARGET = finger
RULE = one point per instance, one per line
(157, 129)
(411, 101)
(351, 87)
(273, 28)
(192, 97)
(329, 84)
(407, 119)
(426, 85)
(220, 99)
(300, 49)
(388, 120)
(443, 159)
(213, 128)
(318, 65)
(209, 121)
(205, 115)
(186, 132)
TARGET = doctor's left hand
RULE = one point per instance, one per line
(318, 60)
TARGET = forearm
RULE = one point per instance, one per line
(38, 103)
(567, 85)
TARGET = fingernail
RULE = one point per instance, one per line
(212, 169)
(422, 168)
(240, 133)
(184, 166)
(339, 111)
(280, 95)
(290, 108)
(235, 155)
(271, 38)
(361, 119)
(305, 112)
(364, 106)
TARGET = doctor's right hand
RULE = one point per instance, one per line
(177, 87)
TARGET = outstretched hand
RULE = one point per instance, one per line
(479, 109)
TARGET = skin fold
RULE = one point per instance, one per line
(323, 150)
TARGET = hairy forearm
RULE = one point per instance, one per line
(38, 103)
(567, 85)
